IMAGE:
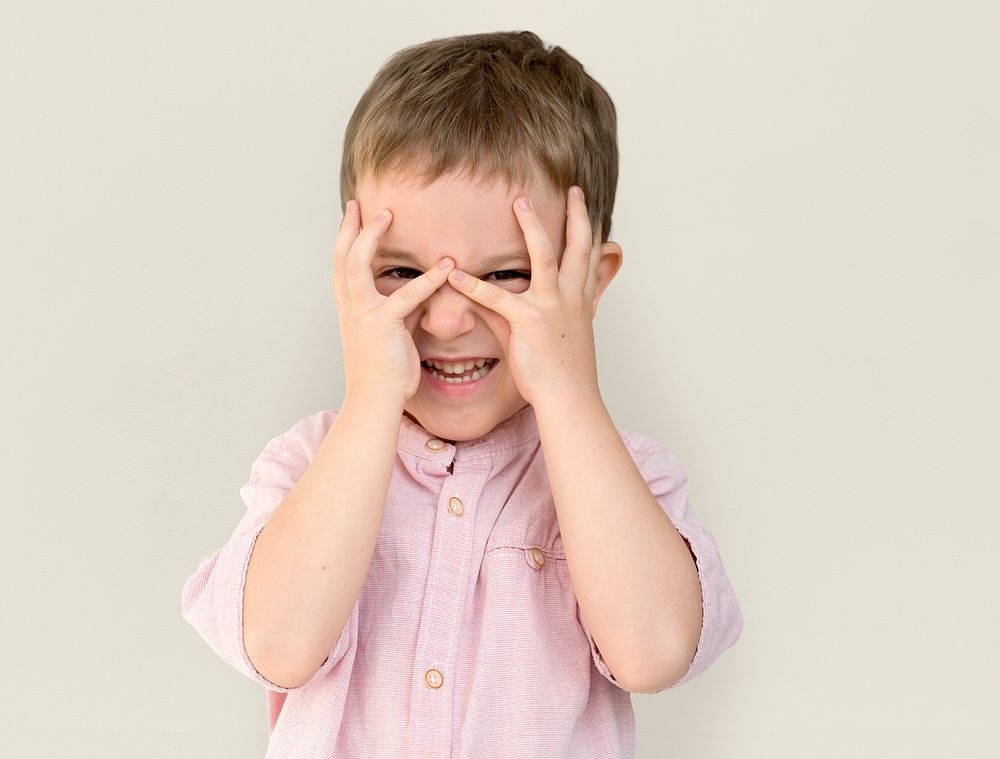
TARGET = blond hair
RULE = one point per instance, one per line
(494, 106)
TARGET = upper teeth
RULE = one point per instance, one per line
(461, 366)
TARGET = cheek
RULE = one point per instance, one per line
(387, 285)
(412, 320)
(516, 286)
(499, 326)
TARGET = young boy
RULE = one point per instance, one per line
(467, 559)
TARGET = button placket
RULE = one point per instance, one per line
(439, 647)
(433, 678)
(436, 445)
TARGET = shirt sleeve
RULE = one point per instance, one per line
(722, 618)
(212, 597)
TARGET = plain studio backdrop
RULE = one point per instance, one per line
(807, 316)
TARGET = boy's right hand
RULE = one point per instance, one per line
(380, 356)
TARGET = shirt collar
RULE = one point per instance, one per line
(519, 428)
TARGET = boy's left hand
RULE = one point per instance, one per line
(551, 350)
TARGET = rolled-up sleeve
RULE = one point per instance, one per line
(722, 618)
(212, 597)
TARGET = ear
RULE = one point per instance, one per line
(607, 267)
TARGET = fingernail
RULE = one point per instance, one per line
(458, 275)
(444, 263)
(524, 204)
(382, 215)
(577, 192)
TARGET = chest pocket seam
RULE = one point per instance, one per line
(550, 550)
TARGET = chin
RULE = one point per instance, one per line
(452, 430)
(457, 433)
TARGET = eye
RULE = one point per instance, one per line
(502, 276)
(512, 274)
(401, 269)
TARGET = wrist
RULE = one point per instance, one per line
(567, 397)
(373, 402)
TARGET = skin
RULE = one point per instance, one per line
(540, 329)
(634, 575)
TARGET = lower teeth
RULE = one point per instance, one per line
(477, 374)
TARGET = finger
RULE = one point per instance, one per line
(345, 238)
(495, 298)
(575, 269)
(595, 266)
(360, 280)
(544, 264)
(402, 302)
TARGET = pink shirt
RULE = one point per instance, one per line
(467, 639)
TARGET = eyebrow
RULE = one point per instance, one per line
(489, 263)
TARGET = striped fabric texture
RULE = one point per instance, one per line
(467, 639)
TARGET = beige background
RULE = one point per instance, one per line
(808, 206)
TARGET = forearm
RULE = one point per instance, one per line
(311, 559)
(633, 574)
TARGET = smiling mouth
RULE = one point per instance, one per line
(461, 372)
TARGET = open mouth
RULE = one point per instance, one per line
(461, 372)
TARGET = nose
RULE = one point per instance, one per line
(447, 314)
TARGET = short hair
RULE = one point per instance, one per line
(495, 105)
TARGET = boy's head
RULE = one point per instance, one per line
(446, 136)
(500, 105)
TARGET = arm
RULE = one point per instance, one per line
(310, 561)
(278, 601)
(647, 596)
(634, 575)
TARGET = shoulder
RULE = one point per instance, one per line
(304, 437)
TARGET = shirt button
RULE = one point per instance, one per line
(537, 557)
(434, 678)
(455, 506)
(434, 444)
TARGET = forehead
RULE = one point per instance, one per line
(466, 218)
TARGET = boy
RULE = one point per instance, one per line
(467, 559)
